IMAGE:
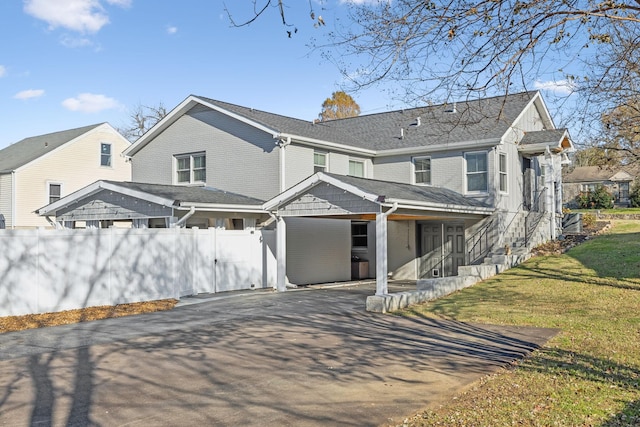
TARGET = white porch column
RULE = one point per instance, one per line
(281, 255)
(550, 196)
(381, 254)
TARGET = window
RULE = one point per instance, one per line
(319, 161)
(356, 168)
(191, 168)
(502, 168)
(55, 192)
(589, 187)
(422, 170)
(476, 171)
(359, 235)
(105, 154)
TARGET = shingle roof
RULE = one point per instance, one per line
(487, 118)
(595, 173)
(543, 136)
(182, 194)
(415, 193)
(29, 149)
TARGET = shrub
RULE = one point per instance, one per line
(599, 198)
(588, 220)
(634, 195)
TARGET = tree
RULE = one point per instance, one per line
(439, 50)
(340, 106)
(141, 119)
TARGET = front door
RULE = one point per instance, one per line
(436, 259)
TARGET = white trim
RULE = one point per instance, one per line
(100, 127)
(501, 154)
(110, 165)
(465, 171)
(178, 112)
(49, 183)
(364, 167)
(96, 187)
(413, 171)
(320, 177)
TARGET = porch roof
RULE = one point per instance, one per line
(169, 196)
(378, 196)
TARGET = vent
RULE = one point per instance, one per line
(435, 272)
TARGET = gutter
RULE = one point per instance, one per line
(184, 219)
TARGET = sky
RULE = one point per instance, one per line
(71, 63)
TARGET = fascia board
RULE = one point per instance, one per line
(480, 143)
(310, 182)
(438, 207)
(62, 146)
(97, 187)
(536, 98)
(214, 207)
(327, 144)
(240, 118)
(71, 198)
(167, 120)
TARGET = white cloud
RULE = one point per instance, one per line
(121, 3)
(29, 93)
(90, 103)
(84, 16)
(560, 87)
(172, 30)
(3, 71)
(70, 41)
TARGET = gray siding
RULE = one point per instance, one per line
(6, 199)
(318, 250)
(401, 250)
(395, 168)
(299, 164)
(316, 202)
(240, 158)
(106, 205)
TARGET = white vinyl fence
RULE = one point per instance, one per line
(52, 270)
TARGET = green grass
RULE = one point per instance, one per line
(610, 211)
(588, 374)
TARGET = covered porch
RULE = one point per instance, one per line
(323, 196)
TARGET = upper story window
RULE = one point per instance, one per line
(105, 154)
(422, 170)
(476, 171)
(191, 168)
(356, 168)
(319, 161)
(55, 192)
(502, 170)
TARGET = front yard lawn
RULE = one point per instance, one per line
(589, 374)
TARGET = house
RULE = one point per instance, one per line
(42, 169)
(414, 193)
(616, 180)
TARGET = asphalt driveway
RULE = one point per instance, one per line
(300, 358)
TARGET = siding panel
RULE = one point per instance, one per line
(240, 158)
(318, 250)
(74, 165)
(5, 199)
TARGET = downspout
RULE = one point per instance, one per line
(54, 224)
(282, 143)
(186, 216)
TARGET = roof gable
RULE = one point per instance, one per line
(29, 149)
(478, 121)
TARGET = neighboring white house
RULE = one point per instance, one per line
(42, 169)
(413, 193)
